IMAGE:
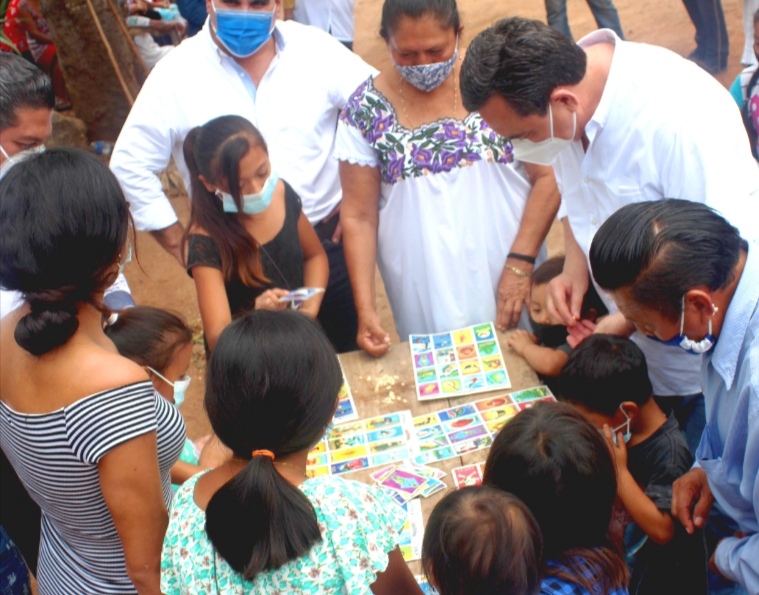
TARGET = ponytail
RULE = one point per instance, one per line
(272, 382)
(258, 521)
(214, 151)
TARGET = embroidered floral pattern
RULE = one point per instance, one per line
(433, 148)
(359, 526)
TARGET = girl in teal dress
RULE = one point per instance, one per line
(257, 524)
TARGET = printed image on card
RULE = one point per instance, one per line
(472, 426)
(460, 362)
(374, 442)
(468, 475)
(346, 406)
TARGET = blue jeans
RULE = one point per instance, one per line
(711, 33)
(603, 11)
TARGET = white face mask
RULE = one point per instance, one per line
(544, 152)
(179, 386)
(9, 162)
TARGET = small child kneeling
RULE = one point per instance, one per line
(606, 379)
(482, 541)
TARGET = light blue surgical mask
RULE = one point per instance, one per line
(127, 258)
(427, 77)
(628, 434)
(252, 204)
(179, 386)
(243, 32)
(689, 345)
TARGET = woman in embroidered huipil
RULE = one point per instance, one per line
(431, 192)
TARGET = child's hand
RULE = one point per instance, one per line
(520, 339)
(580, 331)
(269, 300)
(619, 450)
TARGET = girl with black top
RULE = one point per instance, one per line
(249, 242)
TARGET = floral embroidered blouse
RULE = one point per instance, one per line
(359, 525)
(451, 202)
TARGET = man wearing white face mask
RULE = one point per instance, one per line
(291, 81)
(620, 122)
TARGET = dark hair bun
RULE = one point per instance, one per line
(51, 322)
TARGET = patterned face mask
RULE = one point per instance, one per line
(427, 77)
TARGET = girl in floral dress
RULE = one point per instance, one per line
(257, 524)
(431, 192)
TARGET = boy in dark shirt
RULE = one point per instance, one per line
(606, 379)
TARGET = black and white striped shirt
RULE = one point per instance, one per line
(56, 456)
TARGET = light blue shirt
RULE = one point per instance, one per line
(729, 449)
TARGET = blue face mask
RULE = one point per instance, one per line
(689, 345)
(243, 32)
(252, 204)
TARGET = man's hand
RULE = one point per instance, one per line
(338, 233)
(170, 239)
(520, 339)
(691, 499)
(565, 295)
(513, 293)
(371, 337)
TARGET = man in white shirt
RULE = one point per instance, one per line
(620, 122)
(291, 84)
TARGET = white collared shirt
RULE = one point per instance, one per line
(664, 128)
(295, 107)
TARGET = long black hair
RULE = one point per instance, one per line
(445, 11)
(272, 384)
(558, 464)
(64, 223)
(215, 150)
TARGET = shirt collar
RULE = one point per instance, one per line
(737, 318)
(601, 114)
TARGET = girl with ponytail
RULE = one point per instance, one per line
(257, 524)
(248, 241)
(82, 426)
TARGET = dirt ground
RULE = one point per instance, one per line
(157, 280)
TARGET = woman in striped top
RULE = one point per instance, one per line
(82, 426)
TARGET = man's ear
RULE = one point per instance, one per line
(566, 97)
(698, 302)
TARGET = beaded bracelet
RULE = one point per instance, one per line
(518, 272)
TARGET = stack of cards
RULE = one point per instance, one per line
(460, 362)
(468, 475)
(408, 481)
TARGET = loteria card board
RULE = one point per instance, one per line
(346, 406)
(472, 426)
(412, 534)
(362, 444)
(460, 362)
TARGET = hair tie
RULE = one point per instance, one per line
(262, 453)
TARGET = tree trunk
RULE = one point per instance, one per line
(102, 69)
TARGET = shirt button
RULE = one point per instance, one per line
(594, 221)
(586, 180)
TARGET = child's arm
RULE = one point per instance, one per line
(658, 525)
(544, 360)
(212, 302)
(315, 265)
(396, 578)
(182, 471)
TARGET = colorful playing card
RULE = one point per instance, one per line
(406, 482)
(468, 475)
(470, 427)
(346, 406)
(412, 533)
(458, 362)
